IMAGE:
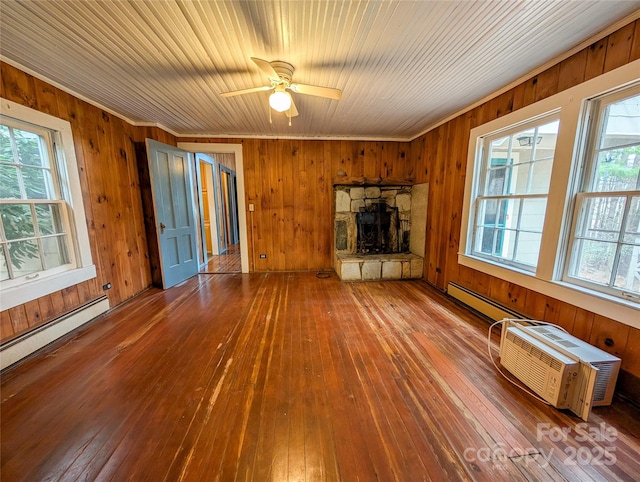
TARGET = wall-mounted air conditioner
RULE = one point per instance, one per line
(560, 368)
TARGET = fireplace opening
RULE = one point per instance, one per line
(373, 236)
(378, 229)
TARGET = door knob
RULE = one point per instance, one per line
(162, 226)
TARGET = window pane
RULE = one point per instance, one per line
(617, 170)
(496, 179)
(519, 179)
(54, 250)
(528, 248)
(505, 243)
(9, 187)
(498, 149)
(594, 260)
(29, 148)
(37, 183)
(509, 213)
(533, 211)
(17, 221)
(622, 123)
(4, 272)
(49, 219)
(490, 212)
(523, 144)
(632, 229)
(484, 240)
(541, 177)
(25, 258)
(628, 272)
(601, 218)
(6, 152)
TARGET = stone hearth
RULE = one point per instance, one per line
(359, 211)
(363, 267)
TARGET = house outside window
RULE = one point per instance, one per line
(513, 185)
(44, 241)
(605, 241)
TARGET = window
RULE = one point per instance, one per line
(33, 230)
(552, 196)
(44, 245)
(605, 241)
(513, 184)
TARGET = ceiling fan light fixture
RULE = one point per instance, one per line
(280, 101)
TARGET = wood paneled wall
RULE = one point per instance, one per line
(290, 183)
(441, 160)
(111, 194)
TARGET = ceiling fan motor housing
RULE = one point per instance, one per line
(283, 69)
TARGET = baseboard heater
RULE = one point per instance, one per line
(24, 345)
(480, 303)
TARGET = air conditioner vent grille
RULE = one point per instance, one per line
(535, 351)
(533, 374)
(602, 380)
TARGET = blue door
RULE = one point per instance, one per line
(173, 201)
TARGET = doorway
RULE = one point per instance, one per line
(212, 149)
(218, 200)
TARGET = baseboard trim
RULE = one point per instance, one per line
(15, 350)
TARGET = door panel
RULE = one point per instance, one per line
(171, 184)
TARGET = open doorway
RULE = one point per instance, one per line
(216, 152)
(218, 200)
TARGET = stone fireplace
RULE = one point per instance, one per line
(372, 229)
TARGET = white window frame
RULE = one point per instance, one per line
(480, 176)
(18, 291)
(584, 187)
(568, 162)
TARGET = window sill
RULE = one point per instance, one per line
(623, 311)
(39, 287)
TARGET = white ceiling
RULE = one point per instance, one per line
(401, 65)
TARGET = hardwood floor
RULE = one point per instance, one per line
(228, 262)
(290, 377)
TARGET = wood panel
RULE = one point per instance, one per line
(112, 200)
(290, 184)
(441, 156)
(284, 376)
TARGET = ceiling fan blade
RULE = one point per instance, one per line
(292, 112)
(246, 91)
(266, 68)
(316, 90)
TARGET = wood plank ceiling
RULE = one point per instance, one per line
(401, 65)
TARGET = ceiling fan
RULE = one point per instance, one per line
(280, 74)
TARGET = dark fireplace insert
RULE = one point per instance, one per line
(378, 229)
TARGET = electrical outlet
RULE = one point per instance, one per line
(263, 256)
(106, 287)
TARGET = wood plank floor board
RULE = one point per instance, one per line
(226, 263)
(442, 401)
(402, 422)
(169, 372)
(285, 376)
(343, 440)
